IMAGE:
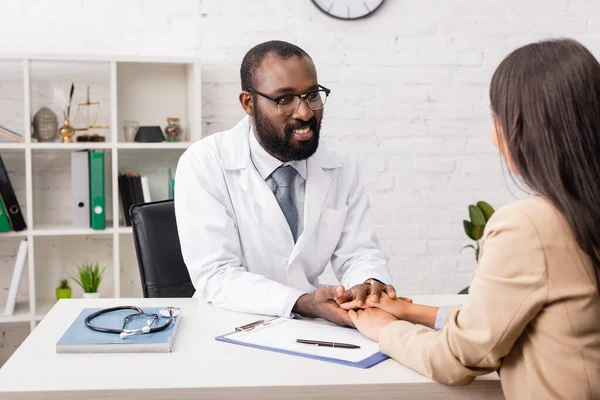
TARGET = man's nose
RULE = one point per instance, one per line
(303, 112)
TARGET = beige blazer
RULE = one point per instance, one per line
(533, 314)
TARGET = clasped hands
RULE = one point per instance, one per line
(367, 306)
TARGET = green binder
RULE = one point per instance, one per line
(4, 221)
(97, 197)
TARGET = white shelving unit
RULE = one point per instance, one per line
(145, 89)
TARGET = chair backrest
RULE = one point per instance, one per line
(156, 241)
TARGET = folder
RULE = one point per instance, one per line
(280, 334)
(80, 189)
(4, 220)
(97, 195)
(10, 200)
(78, 338)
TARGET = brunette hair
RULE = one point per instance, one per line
(546, 100)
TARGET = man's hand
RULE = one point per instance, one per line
(399, 307)
(321, 304)
(357, 295)
(371, 321)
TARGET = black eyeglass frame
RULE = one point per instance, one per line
(300, 96)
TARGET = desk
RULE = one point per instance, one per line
(201, 367)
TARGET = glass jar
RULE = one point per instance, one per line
(173, 130)
(130, 129)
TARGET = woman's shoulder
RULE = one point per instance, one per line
(535, 213)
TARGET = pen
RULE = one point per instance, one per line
(328, 344)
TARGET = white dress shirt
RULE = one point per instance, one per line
(265, 164)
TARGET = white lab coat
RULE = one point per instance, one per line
(237, 244)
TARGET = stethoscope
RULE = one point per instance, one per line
(169, 312)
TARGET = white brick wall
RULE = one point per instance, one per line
(409, 92)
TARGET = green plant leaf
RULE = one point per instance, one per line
(89, 277)
(476, 216)
(469, 227)
(478, 232)
(486, 209)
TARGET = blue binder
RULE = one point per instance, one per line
(368, 362)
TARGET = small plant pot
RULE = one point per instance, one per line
(63, 294)
(95, 295)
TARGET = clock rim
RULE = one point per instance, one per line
(348, 19)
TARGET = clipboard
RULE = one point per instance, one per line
(280, 334)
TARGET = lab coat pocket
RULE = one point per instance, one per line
(330, 230)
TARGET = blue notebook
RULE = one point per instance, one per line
(78, 338)
(280, 335)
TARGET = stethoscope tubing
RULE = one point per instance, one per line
(89, 318)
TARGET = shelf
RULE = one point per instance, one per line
(95, 145)
(14, 233)
(72, 146)
(99, 57)
(42, 308)
(154, 145)
(12, 146)
(58, 229)
(20, 314)
(129, 88)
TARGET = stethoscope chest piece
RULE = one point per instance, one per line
(165, 311)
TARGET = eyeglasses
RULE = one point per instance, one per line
(289, 103)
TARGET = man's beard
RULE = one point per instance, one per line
(285, 148)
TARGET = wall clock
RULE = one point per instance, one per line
(348, 9)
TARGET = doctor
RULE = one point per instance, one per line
(262, 208)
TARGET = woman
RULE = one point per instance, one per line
(533, 312)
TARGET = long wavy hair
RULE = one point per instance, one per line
(546, 100)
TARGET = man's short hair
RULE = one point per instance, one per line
(255, 56)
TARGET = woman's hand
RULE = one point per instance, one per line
(371, 321)
(397, 307)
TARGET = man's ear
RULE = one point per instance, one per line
(247, 102)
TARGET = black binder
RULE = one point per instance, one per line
(10, 200)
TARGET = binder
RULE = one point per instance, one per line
(97, 194)
(280, 334)
(10, 200)
(4, 220)
(80, 189)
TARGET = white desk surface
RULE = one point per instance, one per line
(201, 367)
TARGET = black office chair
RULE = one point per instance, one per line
(156, 241)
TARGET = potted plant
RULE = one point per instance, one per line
(479, 215)
(64, 290)
(89, 277)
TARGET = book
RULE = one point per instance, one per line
(146, 189)
(79, 338)
(16, 279)
(11, 134)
